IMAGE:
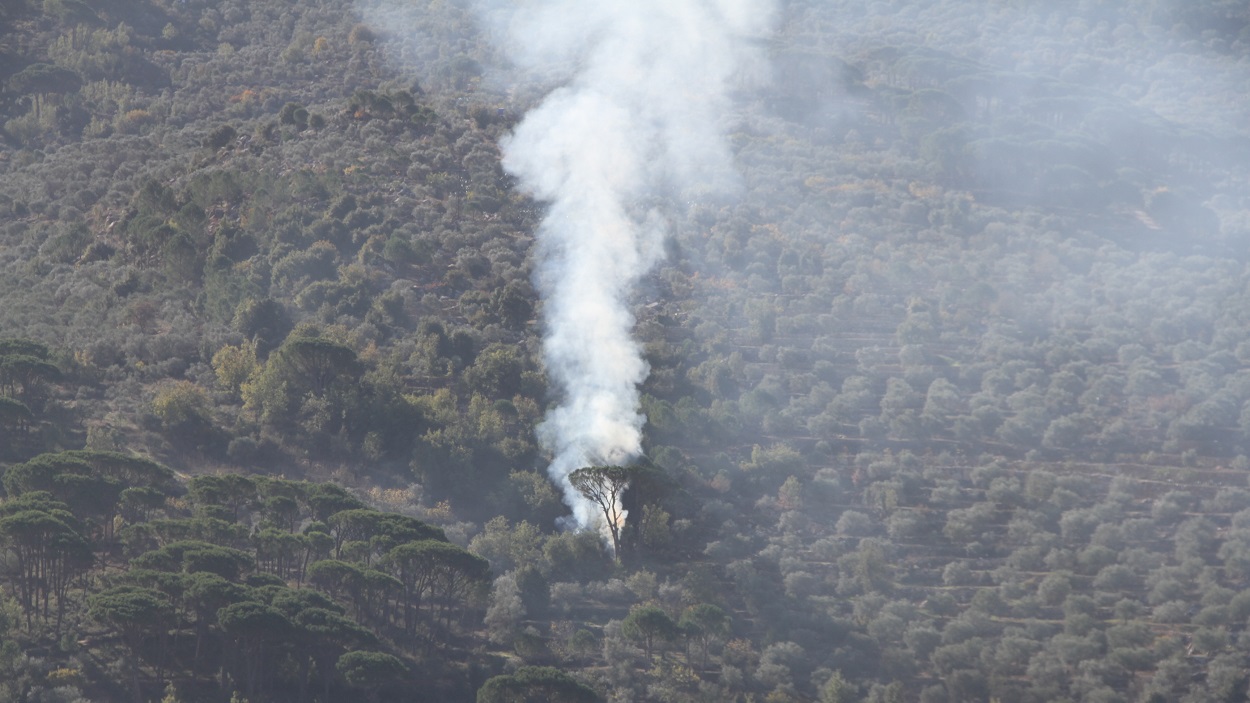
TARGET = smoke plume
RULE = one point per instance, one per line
(645, 88)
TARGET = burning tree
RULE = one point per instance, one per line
(604, 486)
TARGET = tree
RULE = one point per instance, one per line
(323, 636)
(279, 552)
(326, 499)
(704, 623)
(496, 372)
(604, 486)
(536, 684)
(649, 625)
(134, 470)
(371, 671)
(837, 690)
(41, 80)
(648, 487)
(382, 531)
(314, 363)
(220, 137)
(507, 547)
(234, 365)
(183, 408)
(204, 594)
(136, 613)
(338, 579)
(264, 322)
(234, 492)
(85, 492)
(90, 482)
(27, 347)
(506, 610)
(294, 114)
(257, 629)
(193, 556)
(434, 572)
(582, 556)
(21, 373)
(15, 413)
(47, 554)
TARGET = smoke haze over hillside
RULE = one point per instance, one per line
(639, 114)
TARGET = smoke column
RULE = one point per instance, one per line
(645, 88)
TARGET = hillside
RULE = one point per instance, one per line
(948, 401)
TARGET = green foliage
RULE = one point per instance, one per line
(193, 557)
(533, 683)
(507, 547)
(915, 387)
(264, 322)
(496, 372)
(130, 609)
(234, 365)
(605, 487)
(21, 374)
(45, 79)
(371, 670)
(180, 405)
(648, 625)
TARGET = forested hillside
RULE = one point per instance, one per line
(948, 401)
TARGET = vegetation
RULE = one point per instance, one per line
(951, 401)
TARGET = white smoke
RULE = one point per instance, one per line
(645, 91)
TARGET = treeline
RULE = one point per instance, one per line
(272, 588)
